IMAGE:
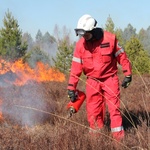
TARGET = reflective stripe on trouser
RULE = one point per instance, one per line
(112, 95)
(117, 129)
(117, 133)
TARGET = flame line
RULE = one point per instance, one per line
(46, 112)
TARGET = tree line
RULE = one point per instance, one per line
(57, 51)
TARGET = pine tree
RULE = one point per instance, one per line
(129, 32)
(39, 36)
(144, 36)
(138, 56)
(109, 26)
(11, 46)
(26, 38)
(63, 56)
(118, 33)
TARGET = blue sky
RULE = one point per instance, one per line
(45, 14)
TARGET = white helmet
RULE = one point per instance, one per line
(85, 24)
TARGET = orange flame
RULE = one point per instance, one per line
(25, 73)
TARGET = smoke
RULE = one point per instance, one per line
(31, 95)
(43, 54)
(51, 50)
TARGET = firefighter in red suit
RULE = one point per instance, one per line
(97, 54)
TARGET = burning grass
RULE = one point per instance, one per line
(35, 117)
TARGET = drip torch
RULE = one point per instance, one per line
(73, 107)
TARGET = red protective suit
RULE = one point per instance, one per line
(98, 60)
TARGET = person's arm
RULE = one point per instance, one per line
(76, 69)
(123, 60)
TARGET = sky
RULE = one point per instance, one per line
(33, 15)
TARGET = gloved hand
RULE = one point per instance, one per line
(126, 81)
(72, 95)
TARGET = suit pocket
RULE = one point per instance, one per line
(106, 56)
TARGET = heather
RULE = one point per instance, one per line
(35, 117)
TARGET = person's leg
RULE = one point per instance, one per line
(112, 95)
(94, 104)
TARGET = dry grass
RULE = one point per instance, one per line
(35, 119)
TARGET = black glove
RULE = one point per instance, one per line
(72, 95)
(126, 81)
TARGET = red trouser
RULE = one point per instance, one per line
(96, 92)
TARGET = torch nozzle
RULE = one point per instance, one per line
(71, 111)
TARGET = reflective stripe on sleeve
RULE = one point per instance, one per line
(78, 60)
(119, 52)
(117, 129)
